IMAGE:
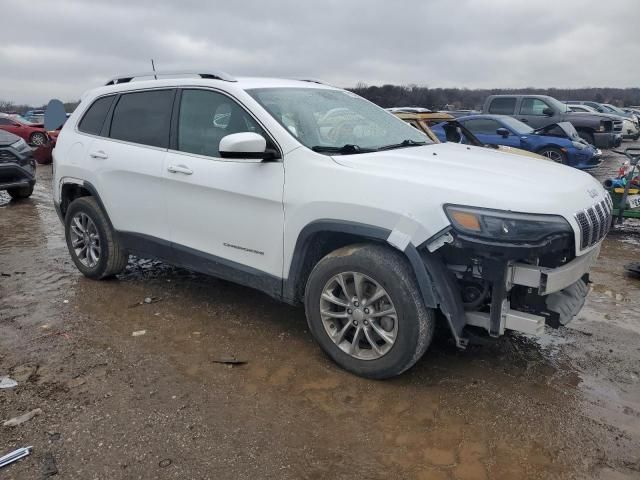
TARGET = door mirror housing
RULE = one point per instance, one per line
(503, 132)
(244, 146)
(548, 112)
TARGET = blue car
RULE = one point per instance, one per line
(559, 142)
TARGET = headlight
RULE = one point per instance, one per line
(578, 145)
(20, 145)
(505, 226)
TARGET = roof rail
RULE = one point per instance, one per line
(210, 74)
(310, 80)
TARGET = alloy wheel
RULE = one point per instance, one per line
(358, 315)
(85, 240)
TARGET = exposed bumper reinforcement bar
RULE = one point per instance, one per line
(550, 280)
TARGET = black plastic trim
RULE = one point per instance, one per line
(198, 261)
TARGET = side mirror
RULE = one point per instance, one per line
(503, 132)
(548, 112)
(245, 146)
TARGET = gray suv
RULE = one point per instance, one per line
(604, 131)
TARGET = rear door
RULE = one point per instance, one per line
(227, 212)
(531, 112)
(128, 162)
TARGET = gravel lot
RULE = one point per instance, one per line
(157, 405)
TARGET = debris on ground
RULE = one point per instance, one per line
(146, 301)
(15, 421)
(14, 456)
(22, 373)
(6, 382)
(231, 361)
(76, 382)
(138, 333)
(165, 463)
(49, 467)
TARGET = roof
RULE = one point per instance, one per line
(241, 83)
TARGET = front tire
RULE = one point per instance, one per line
(365, 310)
(91, 241)
(19, 193)
(587, 136)
(554, 154)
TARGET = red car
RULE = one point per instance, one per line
(33, 133)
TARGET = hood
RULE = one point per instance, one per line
(7, 138)
(604, 116)
(567, 128)
(482, 177)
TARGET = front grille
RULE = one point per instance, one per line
(594, 222)
(7, 157)
(617, 126)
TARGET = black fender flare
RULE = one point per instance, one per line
(94, 193)
(437, 285)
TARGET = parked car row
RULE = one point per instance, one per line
(41, 140)
(558, 142)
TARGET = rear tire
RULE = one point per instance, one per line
(91, 241)
(587, 136)
(19, 193)
(554, 154)
(386, 284)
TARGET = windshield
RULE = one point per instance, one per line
(517, 126)
(557, 104)
(615, 109)
(21, 119)
(336, 121)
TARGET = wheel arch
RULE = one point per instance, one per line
(436, 285)
(70, 189)
(321, 237)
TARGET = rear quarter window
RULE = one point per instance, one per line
(94, 118)
(503, 106)
(143, 117)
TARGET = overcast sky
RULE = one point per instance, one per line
(58, 49)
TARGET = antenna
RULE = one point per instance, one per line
(153, 67)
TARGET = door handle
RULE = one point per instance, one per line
(180, 169)
(99, 154)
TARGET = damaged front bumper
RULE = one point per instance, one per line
(535, 296)
(500, 286)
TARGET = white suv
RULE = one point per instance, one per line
(317, 196)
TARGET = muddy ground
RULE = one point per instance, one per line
(157, 405)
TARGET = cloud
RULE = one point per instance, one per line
(63, 48)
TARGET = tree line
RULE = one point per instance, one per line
(440, 98)
(461, 98)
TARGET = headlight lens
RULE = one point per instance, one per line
(505, 226)
(20, 145)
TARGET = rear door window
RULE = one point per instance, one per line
(143, 117)
(95, 116)
(503, 106)
(533, 106)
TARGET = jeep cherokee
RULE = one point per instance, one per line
(318, 197)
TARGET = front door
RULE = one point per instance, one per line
(226, 212)
(531, 113)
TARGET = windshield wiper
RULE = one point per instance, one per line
(404, 143)
(348, 149)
